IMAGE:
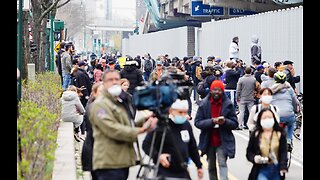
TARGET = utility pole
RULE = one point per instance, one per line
(19, 47)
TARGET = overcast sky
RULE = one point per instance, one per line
(125, 9)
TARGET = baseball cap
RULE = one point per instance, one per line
(158, 63)
(260, 67)
(82, 63)
(287, 62)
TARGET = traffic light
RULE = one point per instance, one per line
(99, 42)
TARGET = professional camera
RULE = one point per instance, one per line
(160, 95)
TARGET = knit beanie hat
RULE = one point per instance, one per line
(217, 83)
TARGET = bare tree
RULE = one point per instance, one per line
(40, 14)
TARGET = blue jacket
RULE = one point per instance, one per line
(204, 122)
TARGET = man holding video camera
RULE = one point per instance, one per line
(216, 118)
(113, 132)
(179, 144)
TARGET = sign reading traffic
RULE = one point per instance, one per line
(199, 9)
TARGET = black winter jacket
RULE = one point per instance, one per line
(185, 141)
(254, 149)
(134, 75)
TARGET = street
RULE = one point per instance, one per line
(239, 167)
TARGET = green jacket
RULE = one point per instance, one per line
(112, 133)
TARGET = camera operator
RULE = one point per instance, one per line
(114, 136)
(180, 135)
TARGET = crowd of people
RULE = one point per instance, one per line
(98, 99)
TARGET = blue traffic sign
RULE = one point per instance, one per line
(200, 9)
(240, 12)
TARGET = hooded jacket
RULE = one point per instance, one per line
(284, 98)
(255, 49)
(134, 76)
(71, 107)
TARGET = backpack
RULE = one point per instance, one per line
(148, 65)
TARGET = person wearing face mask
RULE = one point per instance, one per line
(267, 148)
(114, 133)
(179, 134)
(266, 99)
(216, 117)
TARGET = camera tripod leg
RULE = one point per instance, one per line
(160, 151)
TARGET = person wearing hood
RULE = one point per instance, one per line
(179, 135)
(255, 49)
(285, 98)
(133, 74)
(72, 109)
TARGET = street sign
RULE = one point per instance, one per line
(57, 25)
(240, 12)
(199, 9)
(57, 47)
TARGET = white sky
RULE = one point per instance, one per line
(124, 9)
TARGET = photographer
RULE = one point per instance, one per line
(180, 135)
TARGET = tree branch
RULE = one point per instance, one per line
(48, 10)
(43, 5)
(60, 5)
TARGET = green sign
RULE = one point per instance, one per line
(57, 25)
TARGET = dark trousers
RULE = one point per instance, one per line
(83, 124)
(112, 174)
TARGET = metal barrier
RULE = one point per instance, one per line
(232, 96)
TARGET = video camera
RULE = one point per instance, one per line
(160, 95)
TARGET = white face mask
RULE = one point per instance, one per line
(267, 123)
(266, 99)
(115, 90)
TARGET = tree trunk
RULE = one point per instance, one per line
(25, 46)
(42, 48)
(36, 26)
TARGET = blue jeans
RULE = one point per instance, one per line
(290, 125)
(66, 81)
(112, 174)
(212, 154)
(146, 75)
(269, 171)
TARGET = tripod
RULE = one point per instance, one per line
(149, 171)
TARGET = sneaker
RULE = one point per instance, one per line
(77, 137)
(290, 147)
